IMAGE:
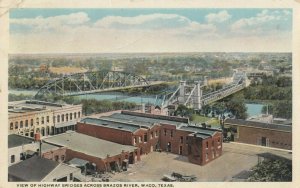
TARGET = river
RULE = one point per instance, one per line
(252, 109)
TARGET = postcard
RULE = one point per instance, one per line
(149, 94)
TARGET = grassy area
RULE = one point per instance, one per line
(214, 122)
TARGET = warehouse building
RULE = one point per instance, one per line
(151, 132)
(263, 134)
(30, 116)
(105, 155)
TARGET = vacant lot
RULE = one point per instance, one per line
(235, 158)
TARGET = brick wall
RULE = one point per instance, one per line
(251, 135)
(56, 155)
(106, 133)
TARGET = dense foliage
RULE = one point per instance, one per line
(272, 170)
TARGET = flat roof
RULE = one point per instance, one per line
(87, 144)
(15, 140)
(18, 140)
(146, 121)
(240, 122)
(111, 124)
(200, 132)
(25, 106)
(32, 169)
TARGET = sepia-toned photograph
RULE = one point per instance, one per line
(161, 95)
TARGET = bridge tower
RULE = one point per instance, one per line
(181, 98)
(197, 95)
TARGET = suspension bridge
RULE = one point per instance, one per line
(192, 95)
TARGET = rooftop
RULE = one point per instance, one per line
(240, 122)
(200, 131)
(141, 118)
(25, 106)
(111, 124)
(18, 140)
(88, 144)
(36, 169)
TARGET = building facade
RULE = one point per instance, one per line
(263, 134)
(30, 117)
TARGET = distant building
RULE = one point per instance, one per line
(37, 169)
(151, 132)
(30, 116)
(107, 156)
(259, 133)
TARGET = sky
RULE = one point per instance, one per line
(150, 30)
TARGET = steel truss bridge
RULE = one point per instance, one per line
(192, 95)
(92, 82)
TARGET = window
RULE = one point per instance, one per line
(186, 139)
(62, 158)
(71, 116)
(151, 135)
(11, 127)
(145, 137)
(134, 140)
(31, 122)
(165, 132)
(71, 176)
(16, 125)
(78, 114)
(219, 140)
(37, 121)
(43, 120)
(140, 139)
(181, 139)
(12, 158)
(21, 124)
(62, 118)
(47, 119)
(206, 145)
(56, 157)
(156, 134)
(67, 117)
(26, 123)
(74, 115)
(171, 133)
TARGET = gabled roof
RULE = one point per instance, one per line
(32, 169)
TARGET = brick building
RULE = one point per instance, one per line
(105, 155)
(258, 133)
(151, 132)
(31, 116)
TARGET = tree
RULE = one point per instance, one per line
(236, 105)
(272, 170)
(183, 111)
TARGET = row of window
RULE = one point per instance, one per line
(141, 140)
(65, 117)
(25, 123)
